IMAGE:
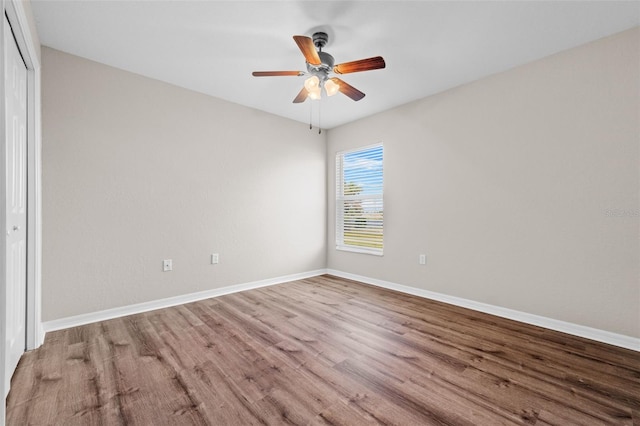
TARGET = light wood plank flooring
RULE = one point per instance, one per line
(322, 351)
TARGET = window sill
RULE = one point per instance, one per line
(360, 250)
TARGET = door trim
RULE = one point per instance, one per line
(19, 15)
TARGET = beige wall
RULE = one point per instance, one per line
(521, 188)
(136, 171)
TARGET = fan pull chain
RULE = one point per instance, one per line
(311, 116)
(319, 108)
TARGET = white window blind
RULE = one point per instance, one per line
(359, 205)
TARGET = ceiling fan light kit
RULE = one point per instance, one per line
(319, 65)
(331, 87)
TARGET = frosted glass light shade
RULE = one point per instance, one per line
(315, 94)
(331, 87)
(312, 83)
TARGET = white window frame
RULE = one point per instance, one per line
(341, 198)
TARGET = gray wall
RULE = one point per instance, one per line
(521, 188)
(136, 171)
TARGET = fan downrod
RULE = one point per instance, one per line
(320, 39)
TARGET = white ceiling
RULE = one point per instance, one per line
(429, 46)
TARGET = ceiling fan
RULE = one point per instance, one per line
(319, 65)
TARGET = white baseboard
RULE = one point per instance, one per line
(62, 323)
(553, 324)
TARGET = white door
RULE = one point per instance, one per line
(16, 201)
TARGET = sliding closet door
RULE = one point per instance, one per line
(16, 201)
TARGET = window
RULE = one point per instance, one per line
(359, 206)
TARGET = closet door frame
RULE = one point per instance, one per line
(18, 14)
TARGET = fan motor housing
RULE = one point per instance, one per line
(324, 68)
(321, 71)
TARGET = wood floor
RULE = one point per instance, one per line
(322, 351)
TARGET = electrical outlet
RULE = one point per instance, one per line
(215, 259)
(423, 259)
(167, 265)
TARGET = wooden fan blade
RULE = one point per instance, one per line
(368, 64)
(308, 49)
(348, 89)
(276, 73)
(302, 96)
